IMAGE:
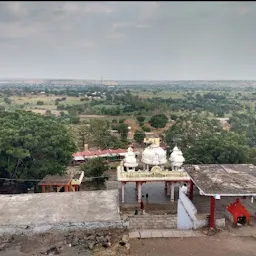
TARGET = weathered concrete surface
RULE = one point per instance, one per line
(224, 179)
(44, 211)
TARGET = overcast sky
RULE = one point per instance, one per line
(128, 40)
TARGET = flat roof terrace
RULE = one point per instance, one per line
(224, 179)
(56, 209)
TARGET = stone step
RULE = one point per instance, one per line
(161, 233)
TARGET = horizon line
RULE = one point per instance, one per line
(129, 80)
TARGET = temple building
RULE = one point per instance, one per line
(222, 191)
(153, 159)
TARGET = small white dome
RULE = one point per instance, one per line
(173, 154)
(130, 159)
(178, 159)
(154, 155)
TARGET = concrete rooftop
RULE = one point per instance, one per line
(58, 208)
(224, 179)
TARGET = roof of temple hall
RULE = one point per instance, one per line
(224, 179)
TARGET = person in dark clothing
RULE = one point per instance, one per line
(142, 205)
(147, 196)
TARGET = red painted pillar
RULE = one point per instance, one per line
(66, 188)
(123, 190)
(212, 213)
(70, 189)
(191, 190)
(139, 191)
(43, 189)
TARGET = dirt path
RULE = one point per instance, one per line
(194, 246)
(198, 246)
(133, 124)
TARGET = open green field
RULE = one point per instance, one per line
(29, 102)
(48, 100)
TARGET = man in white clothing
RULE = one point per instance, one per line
(184, 188)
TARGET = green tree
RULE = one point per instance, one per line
(187, 130)
(74, 119)
(32, 145)
(40, 103)
(174, 117)
(220, 148)
(145, 128)
(122, 128)
(62, 113)
(141, 119)
(139, 136)
(95, 134)
(7, 100)
(94, 167)
(48, 112)
(158, 121)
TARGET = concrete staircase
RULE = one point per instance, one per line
(142, 222)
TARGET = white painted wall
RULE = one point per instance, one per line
(186, 215)
(184, 221)
(186, 212)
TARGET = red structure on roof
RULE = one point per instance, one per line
(238, 211)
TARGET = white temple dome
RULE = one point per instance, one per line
(130, 159)
(178, 159)
(154, 155)
(173, 154)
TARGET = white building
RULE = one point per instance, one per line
(153, 155)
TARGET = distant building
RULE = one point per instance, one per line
(107, 154)
(114, 133)
(58, 183)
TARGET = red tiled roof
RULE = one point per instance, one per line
(99, 152)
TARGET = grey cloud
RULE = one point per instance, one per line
(128, 40)
(12, 11)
